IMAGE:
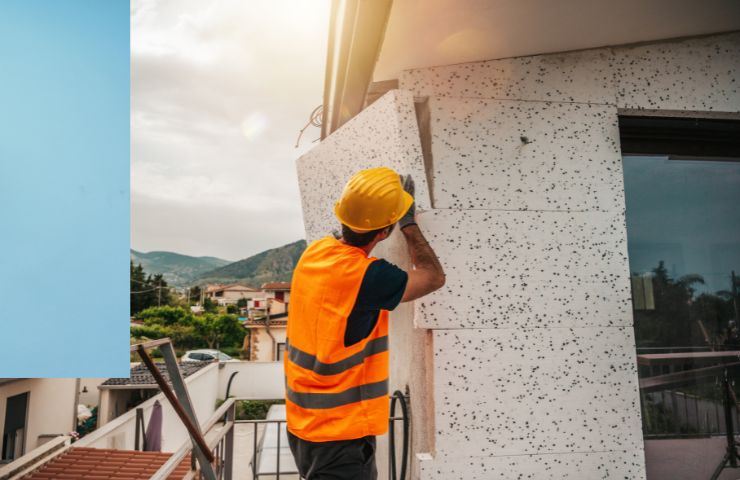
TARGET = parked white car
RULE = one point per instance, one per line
(205, 355)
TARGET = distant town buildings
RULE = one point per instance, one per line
(266, 322)
(264, 314)
(230, 294)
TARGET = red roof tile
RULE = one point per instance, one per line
(104, 464)
(276, 286)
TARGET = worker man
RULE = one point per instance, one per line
(336, 365)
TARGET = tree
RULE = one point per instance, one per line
(147, 290)
(681, 318)
(219, 330)
(209, 305)
(138, 281)
(194, 294)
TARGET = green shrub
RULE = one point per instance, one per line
(186, 337)
(151, 332)
(235, 352)
(182, 336)
(252, 409)
(165, 316)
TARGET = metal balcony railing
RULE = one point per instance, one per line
(220, 441)
(683, 401)
(212, 454)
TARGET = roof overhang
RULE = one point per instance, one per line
(425, 33)
(442, 32)
(3, 381)
(356, 29)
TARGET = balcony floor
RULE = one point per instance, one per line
(686, 459)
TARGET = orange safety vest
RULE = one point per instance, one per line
(333, 392)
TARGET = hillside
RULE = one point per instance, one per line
(274, 265)
(178, 270)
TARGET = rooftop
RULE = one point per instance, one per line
(105, 464)
(231, 287)
(276, 286)
(141, 377)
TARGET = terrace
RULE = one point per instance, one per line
(219, 447)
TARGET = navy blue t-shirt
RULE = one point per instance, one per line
(382, 288)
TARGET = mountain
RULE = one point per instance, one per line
(274, 265)
(178, 270)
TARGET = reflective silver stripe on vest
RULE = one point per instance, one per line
(332, 400)
(310, 362)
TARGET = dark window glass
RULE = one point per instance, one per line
(683, 228)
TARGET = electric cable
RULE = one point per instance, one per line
(313, 120)
(397, 395)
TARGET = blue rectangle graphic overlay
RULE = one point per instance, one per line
(64, 188)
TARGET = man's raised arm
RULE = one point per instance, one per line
(426, 274)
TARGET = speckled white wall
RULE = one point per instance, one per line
(532, 351)
(516, 269)
(385, 134)
(698, 74)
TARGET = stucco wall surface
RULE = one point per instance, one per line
(514, 269)
(514, 155)
(51, 406)
(699, 74)
(695, 74)
(581, 466)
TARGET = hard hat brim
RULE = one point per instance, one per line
(408, 200)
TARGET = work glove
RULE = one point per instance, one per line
(408, 218)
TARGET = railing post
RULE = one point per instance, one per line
(277, 463)
(139, 424)
(254, 454)
(229, 445)
(729, 426)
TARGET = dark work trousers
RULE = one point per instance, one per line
(336, 460)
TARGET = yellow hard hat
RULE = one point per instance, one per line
(372, 199)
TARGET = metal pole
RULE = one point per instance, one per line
(178, 384)
(229, 447)
(277, 464)
(200, 447)
(731, 450)
(254, 454)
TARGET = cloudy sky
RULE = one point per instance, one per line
(220, 91)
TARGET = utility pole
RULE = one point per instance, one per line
(159, 293)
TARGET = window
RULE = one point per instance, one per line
(14, 428)
(682, 194)
(280, 352)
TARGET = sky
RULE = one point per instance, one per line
(64, 190)
(220, 91)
